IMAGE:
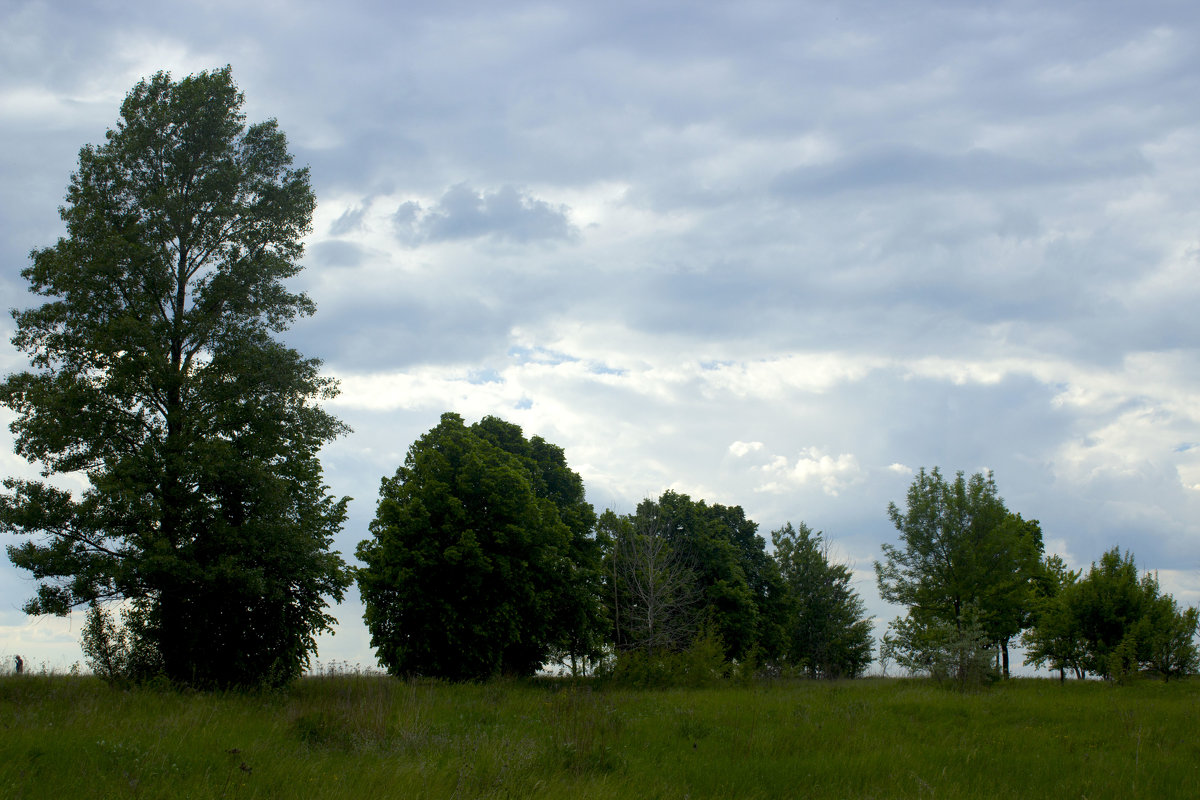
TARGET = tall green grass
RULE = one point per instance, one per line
(363, 736)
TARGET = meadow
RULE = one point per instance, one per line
(366, 736)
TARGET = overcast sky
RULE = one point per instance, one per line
(770, 254)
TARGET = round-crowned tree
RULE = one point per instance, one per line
(481, 560)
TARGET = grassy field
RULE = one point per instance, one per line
(357, 736)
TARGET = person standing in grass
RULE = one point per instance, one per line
(20, 664)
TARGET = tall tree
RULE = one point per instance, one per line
(157, 375)
(579, 615)
(962, 549)
(471, 570)
(827, 631)
(738, 580)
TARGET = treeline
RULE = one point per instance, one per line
(158, 374)
(975, 579)
(486, 559)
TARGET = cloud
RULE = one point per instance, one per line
(337, 253)
(351, 221)
(909, 168)
(813, 466)
(506, 214)
(851, 241)
(740, 449)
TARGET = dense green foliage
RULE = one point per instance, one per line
(725, 577)
(964, 560)
(577, 619)
(486, 559)
(157, 375)
(1112, 623)
(827, 631)
(958, 652)
(1055, 639)
(371, 736)
(480, 561)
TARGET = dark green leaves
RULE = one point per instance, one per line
(157, 377)
(481, 560)
(962, 553)
(828, 634)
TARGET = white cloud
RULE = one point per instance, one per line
(740, 449)
(813, 466)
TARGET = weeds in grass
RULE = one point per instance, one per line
(355, 735)
(585, 729)
(236, 775)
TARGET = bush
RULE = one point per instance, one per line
(959, 653)
(116, 652)
(702, 664)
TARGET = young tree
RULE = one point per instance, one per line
(962, 548)
(158, 377)
(471, 570)
(828, 633)
(1169, 636)
(958, 651)
(1054, 639)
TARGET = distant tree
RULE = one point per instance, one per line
(738, 580)
(1125, 623)
(158, 377)
(471, 570)
(1168, 633)
(1055, 639)
(654, 594)
(827, 631)
(960, 547)
(1107, 603)
(105, 645)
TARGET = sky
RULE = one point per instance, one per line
(778, 255)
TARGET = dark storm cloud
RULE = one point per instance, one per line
(465, 213)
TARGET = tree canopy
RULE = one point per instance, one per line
(735, 583)
(157, 375)
(827, 632)
(962, 554)
(480, 561)
(1111, 622)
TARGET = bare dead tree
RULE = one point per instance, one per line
(655, 589)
